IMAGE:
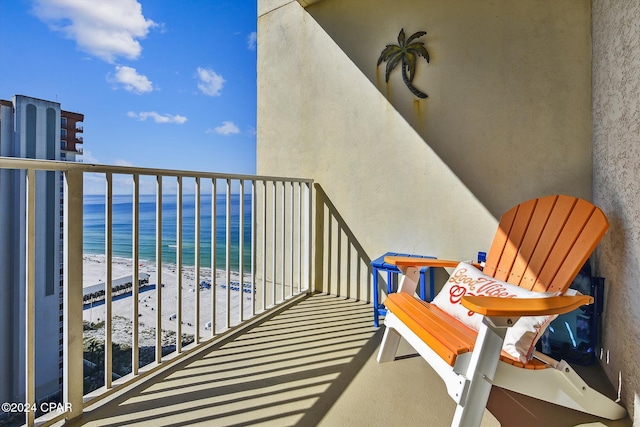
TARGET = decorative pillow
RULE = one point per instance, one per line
(521, 338)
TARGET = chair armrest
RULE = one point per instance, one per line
(406, 261)
(503, 307)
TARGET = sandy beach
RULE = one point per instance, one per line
(94, 272)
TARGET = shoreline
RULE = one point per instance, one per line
(94, 272)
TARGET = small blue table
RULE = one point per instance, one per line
(378, 265)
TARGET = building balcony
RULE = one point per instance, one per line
(64, 146)
(282, 334)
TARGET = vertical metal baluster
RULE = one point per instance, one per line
(30, 296)
(283, 239)
(159, 269)
(108, 283)
(338, 258)
(291, 237)
(273, 246)
(329, 245)
(135, 282)
(253, 246)
(214, 309)
(241, 254)
(308, 241)
(300, 236)
(358, 276)
(72, 293)
(179, 266)
(348, 268)
(197, 262)
(264, 245)
(228, 253)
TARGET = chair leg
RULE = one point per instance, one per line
(390, 341)
(391, 337)
(482, 367)
(561, 386)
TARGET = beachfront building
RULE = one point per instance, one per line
(70, 141)
(34, 129)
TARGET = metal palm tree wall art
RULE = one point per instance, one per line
(406, 52)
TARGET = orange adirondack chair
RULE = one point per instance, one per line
(540, 245)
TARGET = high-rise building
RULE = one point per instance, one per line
(37, 129)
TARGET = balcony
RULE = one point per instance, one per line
(297, 349)
(65, 147)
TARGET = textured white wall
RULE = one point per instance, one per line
(509, 86)
(616, 152)
(507, 118)
(320, 117)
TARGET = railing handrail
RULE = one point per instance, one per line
(57, 165)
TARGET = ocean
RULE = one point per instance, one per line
(94, 228)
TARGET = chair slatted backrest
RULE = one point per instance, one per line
(541, 244)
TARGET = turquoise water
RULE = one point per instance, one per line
(94, 228)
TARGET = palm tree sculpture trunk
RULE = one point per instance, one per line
(407, 81)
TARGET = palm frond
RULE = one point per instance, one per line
(401, 38)
(419, 49)
(416, 35)
(387, 52)
(393, 62)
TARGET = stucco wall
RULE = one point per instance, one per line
(616, 142)
(320, 117)
(507, 117)
(508, 84)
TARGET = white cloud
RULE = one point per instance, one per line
(131, 80)
(227, 128)
(210, 82)
(252, 38)
(87, 157)
(158, 118)
(106, 29)
(120, 162)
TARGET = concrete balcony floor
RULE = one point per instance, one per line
(310, 364)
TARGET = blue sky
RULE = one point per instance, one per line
(162, 83)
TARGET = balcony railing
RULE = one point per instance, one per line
(240, 245)
(65, 147)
